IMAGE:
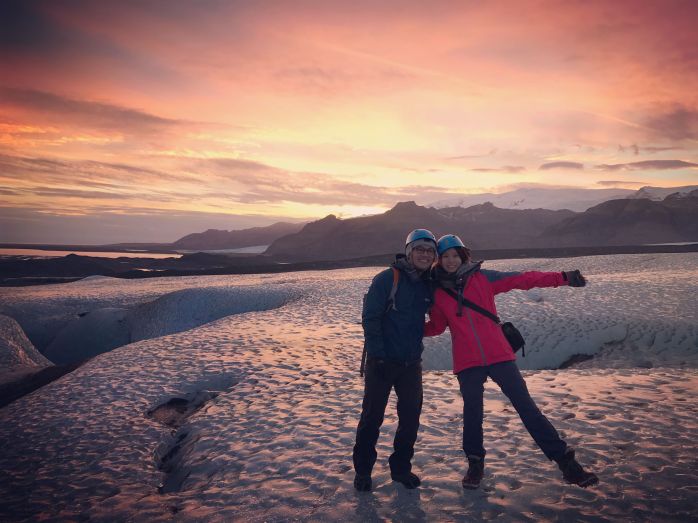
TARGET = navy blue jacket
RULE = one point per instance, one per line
(395, 334)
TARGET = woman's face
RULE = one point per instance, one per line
(450, 260)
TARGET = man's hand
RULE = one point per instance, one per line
(574, 278)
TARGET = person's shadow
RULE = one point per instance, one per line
(404, 505)
(407, 505)
(396, 503)
(366, 507)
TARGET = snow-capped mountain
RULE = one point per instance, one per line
(574, 199)
(659, 193)
(571, 198)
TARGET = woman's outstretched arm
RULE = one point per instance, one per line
(507, 281)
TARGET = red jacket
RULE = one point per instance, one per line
(477, 340)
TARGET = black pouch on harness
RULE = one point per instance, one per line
(513, 336)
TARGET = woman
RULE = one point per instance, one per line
(481, 350)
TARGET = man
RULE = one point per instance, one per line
(393, 322)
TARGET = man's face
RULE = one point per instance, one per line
(422, 256)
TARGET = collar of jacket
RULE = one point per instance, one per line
(406, 267)
(456, 279)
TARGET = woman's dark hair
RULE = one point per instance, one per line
(464, 253)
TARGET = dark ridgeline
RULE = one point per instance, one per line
(631, 222)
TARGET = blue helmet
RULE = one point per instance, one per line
(420, 234)
(449, 241)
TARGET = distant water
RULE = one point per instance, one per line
(674, 243)
(55, 254)
(255, 249)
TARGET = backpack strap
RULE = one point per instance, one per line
(393, 290)
(362, 367)
(460, 299)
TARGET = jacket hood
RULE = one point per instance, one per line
(466, 269)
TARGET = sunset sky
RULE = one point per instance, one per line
(148, 120)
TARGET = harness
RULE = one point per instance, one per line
(510, 332)
(464, 301)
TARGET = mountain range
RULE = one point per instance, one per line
(485, 226)
(494, 228)
(631, 222)
(625, 225)
(533, 217)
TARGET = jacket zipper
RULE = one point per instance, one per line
(477, 338)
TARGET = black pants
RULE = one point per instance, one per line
(509, 379)
(407, 381)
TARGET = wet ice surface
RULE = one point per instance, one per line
(266, 405)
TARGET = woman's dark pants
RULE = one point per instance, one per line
(380, 379)
(509, 379)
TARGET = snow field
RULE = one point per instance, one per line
(273, 440)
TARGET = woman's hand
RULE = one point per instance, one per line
(574, 278)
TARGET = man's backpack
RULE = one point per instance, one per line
(390, 306)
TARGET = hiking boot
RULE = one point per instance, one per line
(362, 482)
(573, 472)
(476, 470)
(408, 479)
